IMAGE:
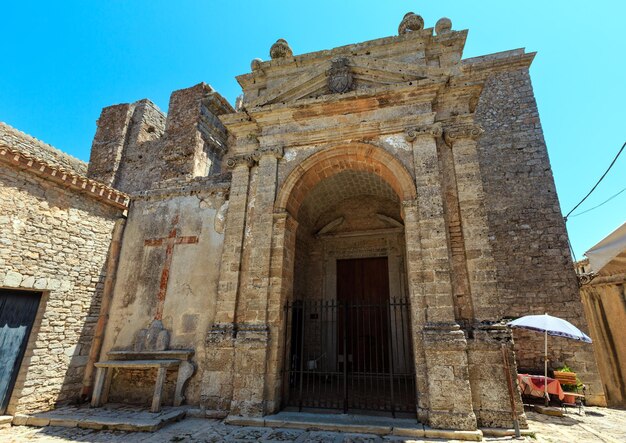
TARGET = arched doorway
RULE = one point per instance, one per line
(348, 343)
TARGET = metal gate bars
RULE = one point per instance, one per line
(349, 355)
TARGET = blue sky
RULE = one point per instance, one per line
(63, 61)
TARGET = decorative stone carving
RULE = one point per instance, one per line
(239, 103)
(185, 371)
(431, 130)
(220, 218)
(154, 338)
(330, 226)
(443, 26)
(276, 151)
(339, 76)
(411, 23)
(280, 49)
(585, 279)
(455, 133)
(236, 160)
(255, 64)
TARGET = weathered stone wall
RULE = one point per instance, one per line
(526, 229)
(136, 145)
(190, 209)
(55, 241)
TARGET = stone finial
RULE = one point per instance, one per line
(410, 23)
(280, 49)
(256, 63)
(443, 26)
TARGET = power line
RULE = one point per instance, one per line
(595, 207)
(596, 185)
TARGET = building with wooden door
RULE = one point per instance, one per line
(349, 237)
(56, 227)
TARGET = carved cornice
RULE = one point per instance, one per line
(64, 177)
(467, 131)
(237, 160)
(434, 130)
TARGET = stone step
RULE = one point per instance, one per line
(103, 419)
(353, 424)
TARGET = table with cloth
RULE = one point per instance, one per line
(534, 386)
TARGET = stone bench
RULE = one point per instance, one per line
(160, 360)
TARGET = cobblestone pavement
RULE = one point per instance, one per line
(597, 425)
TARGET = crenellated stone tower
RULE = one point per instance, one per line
(137, 145)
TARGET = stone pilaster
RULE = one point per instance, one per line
(217, 391)
(481, 268)
(444, 395)
(251, 350)
(427, 252)
(281, 287)
(253, 308)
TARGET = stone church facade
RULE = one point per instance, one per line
(253, 237)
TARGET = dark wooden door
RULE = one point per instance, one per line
(17, 314)
(363, 297)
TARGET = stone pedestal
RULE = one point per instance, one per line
(490, 394)
(449, 390)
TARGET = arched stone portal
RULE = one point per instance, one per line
(344, 283)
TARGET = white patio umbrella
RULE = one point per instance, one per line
(549, 325)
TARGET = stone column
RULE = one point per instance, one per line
(444, 395)
(481, 269)
(252, 337)
(217, 384)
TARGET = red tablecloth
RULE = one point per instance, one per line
(534, 385)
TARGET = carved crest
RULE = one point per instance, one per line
(339, 76)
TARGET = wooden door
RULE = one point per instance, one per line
(17, 314)
(363, 297)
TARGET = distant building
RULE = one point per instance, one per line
(603, 292)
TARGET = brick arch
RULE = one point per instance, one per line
(353, 156)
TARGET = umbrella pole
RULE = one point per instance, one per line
(545, 367)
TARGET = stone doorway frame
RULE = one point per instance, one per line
(370, 158)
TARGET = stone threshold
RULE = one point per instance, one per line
(110, 417)
(361, 424)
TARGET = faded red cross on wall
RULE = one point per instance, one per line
(169, 242)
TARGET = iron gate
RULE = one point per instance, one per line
(349, 356)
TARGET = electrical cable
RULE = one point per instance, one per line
(596, 185)
(595, 207)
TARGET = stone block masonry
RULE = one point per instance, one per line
(526, 229)
(136, 145)
(53, 240)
